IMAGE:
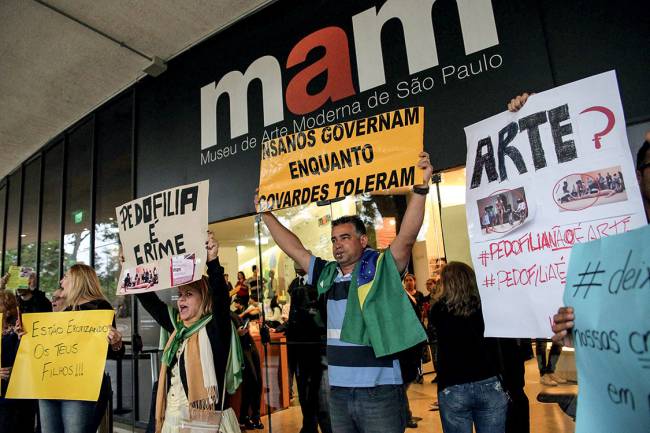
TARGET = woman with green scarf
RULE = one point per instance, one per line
(195, 358)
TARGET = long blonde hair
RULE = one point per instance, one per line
(460, 292)
(84, 285)
(203, 287)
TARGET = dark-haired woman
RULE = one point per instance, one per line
(10, 409)
(469, 390)
(242, 291)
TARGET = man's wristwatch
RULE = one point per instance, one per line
(422, 190)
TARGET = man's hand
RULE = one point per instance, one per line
(518, 102)
(256, 198)
(562, 326)
(212, 246)
(426, 166)
(256, 202)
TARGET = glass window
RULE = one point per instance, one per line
(113, 188)
(29, 227)
(77, 224)
(454, 219)
(13, 219)
(48, 275)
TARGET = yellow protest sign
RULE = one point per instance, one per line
(365, 155)
(18, 277)
(62, 356)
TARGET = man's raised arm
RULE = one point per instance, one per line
(412, 221)
(286, 240)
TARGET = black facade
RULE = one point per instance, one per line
(57, 207)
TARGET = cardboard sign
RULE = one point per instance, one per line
(163, 238)
(19, 277)
(62, 356)
(608, 285)
(555, 174)
(372, 154)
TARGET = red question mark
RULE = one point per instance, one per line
(610, 122)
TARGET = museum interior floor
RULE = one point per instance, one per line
(544, 418)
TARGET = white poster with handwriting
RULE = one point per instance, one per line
(555, 174)
(163, 238)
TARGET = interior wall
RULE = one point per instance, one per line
(454, 228)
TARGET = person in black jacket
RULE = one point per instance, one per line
(306, 336)
(194, 361)
(11, 410)
(30, 299)
(251, 397)
(469, 389)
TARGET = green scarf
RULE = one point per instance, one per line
(235, 364)
(182, 332)
(378, 312)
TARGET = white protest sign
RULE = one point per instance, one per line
(163, 238)
(557, 173)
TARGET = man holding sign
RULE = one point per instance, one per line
(369, 316)
(350, 158)
(30, 298)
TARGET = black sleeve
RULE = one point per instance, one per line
(220, 298)
(319, 265)
(102, 304)
(157, 308)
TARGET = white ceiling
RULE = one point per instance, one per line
(53, 70)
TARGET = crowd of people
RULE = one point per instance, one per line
(593, 185)
(351, 377)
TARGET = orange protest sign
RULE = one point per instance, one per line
(365, 155)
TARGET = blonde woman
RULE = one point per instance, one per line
(469, 390)
(194, 361)
(82, 291)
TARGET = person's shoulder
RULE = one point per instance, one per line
(96, 304)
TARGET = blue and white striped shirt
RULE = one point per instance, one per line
(350, 365)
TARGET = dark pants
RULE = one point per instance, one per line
(292, 360)
(546, 365)
(518, 418)
(251, 398)
(310, 374)
(368, 410)
(512, 354)
(17, 415)
(409, 414)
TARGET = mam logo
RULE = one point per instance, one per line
(478, 32)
